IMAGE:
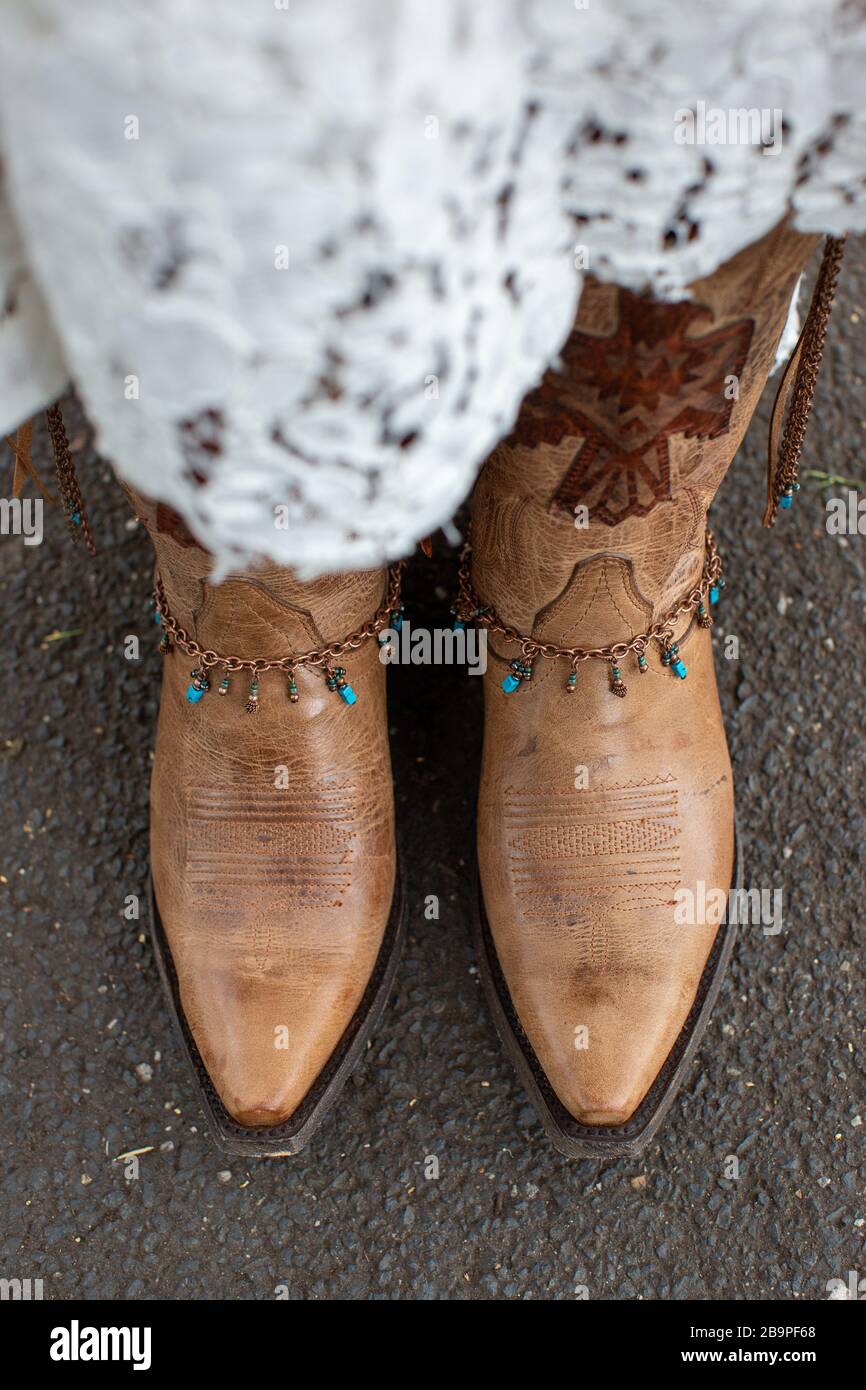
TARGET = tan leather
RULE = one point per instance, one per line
(274, 901)
(579, 884)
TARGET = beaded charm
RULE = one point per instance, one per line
(671, 657)
(395, 624)
(642, 664)
(252, 705)
(571, 683)
(704, 616)
(293, 689)
(223, 687)
(617, 683)
(337, 681)
(520, 671)
(787, 498)
(198, 687)
(164, 639)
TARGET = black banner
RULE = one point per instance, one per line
(196, 1338)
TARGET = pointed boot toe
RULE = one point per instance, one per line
(278, 912)
(601, 1038)
(606, 844)
(265, 1037)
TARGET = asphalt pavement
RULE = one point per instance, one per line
(92, 1069)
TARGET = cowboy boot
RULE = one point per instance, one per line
(278, 912)
(599, 815)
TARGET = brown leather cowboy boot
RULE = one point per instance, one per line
(597, 812)
(278, 909)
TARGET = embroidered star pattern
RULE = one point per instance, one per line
(626, 395)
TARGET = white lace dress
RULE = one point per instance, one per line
(303, 258)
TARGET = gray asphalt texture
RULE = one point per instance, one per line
(93, 1070)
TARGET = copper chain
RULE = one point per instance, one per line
(322, 656)
(469, 609)
(803, 391)
(67, 480)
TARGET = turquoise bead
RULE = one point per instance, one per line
(510, 683)
(458, 625)
(785, 501)
(714, 593)
(194, 694)
(347, 694)
(680, 669)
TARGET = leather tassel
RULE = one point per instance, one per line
(21, 444)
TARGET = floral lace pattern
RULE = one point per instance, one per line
(303, 261)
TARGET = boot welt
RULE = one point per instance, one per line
(565, 1132)
(288, 1138)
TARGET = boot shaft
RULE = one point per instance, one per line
(260, 613)
(589, 520)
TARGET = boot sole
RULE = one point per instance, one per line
(290, 1137)
(566, 1133)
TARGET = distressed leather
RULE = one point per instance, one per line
(579, 884)
(274, 901)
